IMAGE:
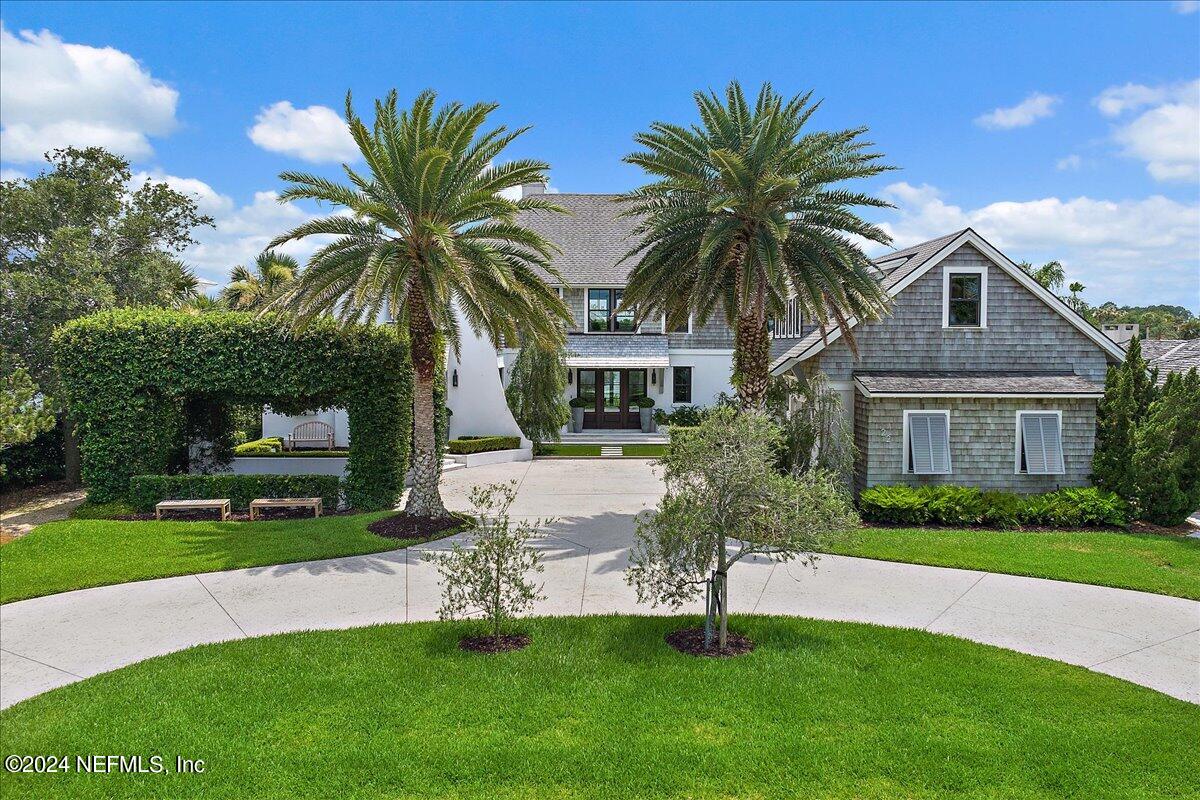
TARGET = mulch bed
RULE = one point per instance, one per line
(691, 642)
(424, 529)
(505, 643)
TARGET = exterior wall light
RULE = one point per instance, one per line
(454, 379)
(570, 376)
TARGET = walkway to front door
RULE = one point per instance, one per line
(612, 393)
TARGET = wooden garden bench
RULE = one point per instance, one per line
(315, 433)
(221, 505)
(285, 502)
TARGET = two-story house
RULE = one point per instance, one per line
(977, 376)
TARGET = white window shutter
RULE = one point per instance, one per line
(929, 443)
(1042, 442)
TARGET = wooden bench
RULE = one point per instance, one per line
(193, 505)
(285, 502)
(315, 433)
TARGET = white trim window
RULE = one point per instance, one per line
(964, 297)
(1039, 443)
(663, 320)
(927, 442)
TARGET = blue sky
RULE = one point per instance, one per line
(1067, 131)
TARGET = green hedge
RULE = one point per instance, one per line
(960, 506)
(127, 374)
(147, 490)
(465, 445)
(268, 444)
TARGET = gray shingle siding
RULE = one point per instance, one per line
(1022, 332)
(983, 439)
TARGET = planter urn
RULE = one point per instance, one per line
(647, 419)
(576, 420)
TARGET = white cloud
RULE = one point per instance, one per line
(7, 174)
(56, 94)
(240, 232)
(1185, 6)
(1131, 251)
(1071, 162)
(315, 133)
(1028, 111)
(1166, 134)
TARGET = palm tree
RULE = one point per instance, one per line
(1075, 302)
(428, 232)
(1050, 275)
(747, 212)
(251, 289)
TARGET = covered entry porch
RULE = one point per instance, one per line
(611, 372)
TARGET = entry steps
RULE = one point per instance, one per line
(612, 450)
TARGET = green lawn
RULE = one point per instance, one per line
(600, 707)
(1146, 562)
(644, 450)
(78, 553)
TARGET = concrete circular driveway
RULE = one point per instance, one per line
(51, 641)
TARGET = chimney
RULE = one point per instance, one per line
(529, 189)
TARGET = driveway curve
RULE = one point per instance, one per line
(51, 641)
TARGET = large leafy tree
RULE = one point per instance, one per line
(428, 232)
(745, 211)
(78, 238)
(251, 288)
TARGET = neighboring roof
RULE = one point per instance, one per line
(592, 238)
(926, 383)
(634, 350)
(1171, 355)
(919, 259)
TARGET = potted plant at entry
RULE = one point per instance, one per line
(578, 404)
(646, 411)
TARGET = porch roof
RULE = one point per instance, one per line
(618, 350)
(927, 383)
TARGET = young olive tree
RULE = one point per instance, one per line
(535, 391)
(725, 501)
(491, 576)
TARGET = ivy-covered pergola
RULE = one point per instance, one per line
(127, 375)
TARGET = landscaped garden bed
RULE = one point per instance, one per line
(466, 445)
(603, 707)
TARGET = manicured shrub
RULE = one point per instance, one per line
(269, 444)
(643, 402)
(953, 505)
(686, 416)
(147, 490)
(1002, 509)
(896, 505)
(464, 445)
(960, 506)
(126, 375)
(581, 402)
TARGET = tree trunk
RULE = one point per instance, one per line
(424, 499)
(722, 590)
(73, 473)
(751, 360)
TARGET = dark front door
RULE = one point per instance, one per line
(611, 391)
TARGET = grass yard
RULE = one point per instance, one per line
(644, 450)
(601, 707)
(79, 553)
(1146, 562)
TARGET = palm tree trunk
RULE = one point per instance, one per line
(751, 360)
(424, 500)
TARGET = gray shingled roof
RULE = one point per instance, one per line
(592, 238)
(897, 266)
(617, 350)
(1171, 355)
(933, 382)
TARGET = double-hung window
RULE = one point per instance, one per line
(602, 312)
(927, 442)
(964, 297)
(1039, 443)
(681, 389)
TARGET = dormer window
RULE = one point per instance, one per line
(602, 312)
(964, 297)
